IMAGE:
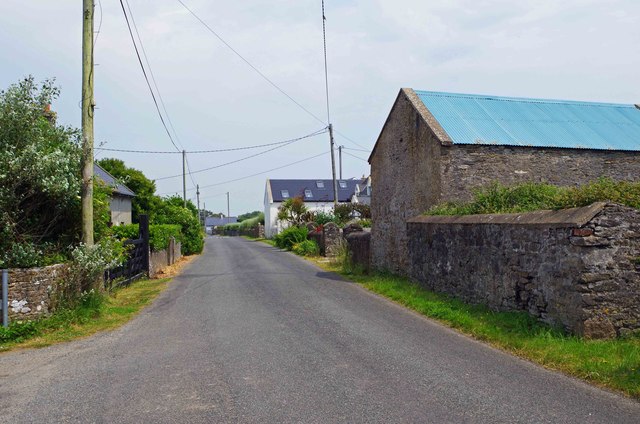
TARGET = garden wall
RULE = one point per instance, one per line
(159, 260)
(576, 268)
(30, 291)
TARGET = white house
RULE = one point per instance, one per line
(317, 196)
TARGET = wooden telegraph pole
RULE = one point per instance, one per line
(88, 106)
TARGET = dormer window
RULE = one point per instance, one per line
(343, 184)
(285, 194)
(320, 184)
(308, 194)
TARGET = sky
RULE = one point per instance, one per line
(556, 49)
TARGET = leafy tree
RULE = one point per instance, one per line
(172, 211)
(292, 211)
(145, 202)
(248, 215)
(39, 175)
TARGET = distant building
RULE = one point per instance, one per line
(317, 196)
(121, 197)
(438, 147)
(212, 222)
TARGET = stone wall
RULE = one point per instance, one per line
(415, 166)
(360, 249)
(577, 268)
(465, 167)
(30, 291)
(159, 260)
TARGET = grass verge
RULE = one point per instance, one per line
(96, 313)
(613, 364)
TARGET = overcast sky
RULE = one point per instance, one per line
(564, 49)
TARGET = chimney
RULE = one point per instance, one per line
(49, 115)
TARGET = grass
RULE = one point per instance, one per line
(614, 364)
(92, 316)
(527, 197)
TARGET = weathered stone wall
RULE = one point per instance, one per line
(405, 175)
(30, 291)
(465, 167)
(160, 259)
(578, 268)
(360, 249)
(414, 166)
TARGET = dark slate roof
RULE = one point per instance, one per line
(110, 180)
(298, 187)
(213, 221)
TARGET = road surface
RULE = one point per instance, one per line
(250, 334)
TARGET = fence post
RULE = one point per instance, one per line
(144, 235)
(5, 298)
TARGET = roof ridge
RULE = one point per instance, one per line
(522, 99)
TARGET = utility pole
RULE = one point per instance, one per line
(340, 158)
(88, 105)
(333, 167)
(204, 217)
(228, 210)
(198, 200)
(184, 178)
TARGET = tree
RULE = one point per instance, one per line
(293, 211)
(39, 174)
(172, 211)
(248, 215)
(145, 202)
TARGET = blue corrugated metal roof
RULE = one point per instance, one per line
(508, 121)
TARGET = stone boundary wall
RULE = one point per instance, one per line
(359, 243)
(576, 268)
(30, 291)
(159, 260)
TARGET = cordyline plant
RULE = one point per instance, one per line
(293, 211)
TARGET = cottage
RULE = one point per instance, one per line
(121, 197)
(436, 147)
(317, 195)
(211, 223)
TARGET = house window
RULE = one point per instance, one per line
(320, 184)
(343, 184)
(285, 194)
(308, 194)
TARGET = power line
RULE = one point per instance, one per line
(273, 84)
(153, 77)
(193, 181)
(357, 157)
(356, 150)
(246, 157)
(144, 72)
(257, 173)
(191, 152)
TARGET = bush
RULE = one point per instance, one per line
(365, 223)
(159, 234)
(87, 269)
(173, 212)
(322, 218)
(527, 197)
(289, 237)
(306, 248)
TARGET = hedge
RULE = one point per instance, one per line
(159, 234)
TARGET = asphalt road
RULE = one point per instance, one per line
(252, 334)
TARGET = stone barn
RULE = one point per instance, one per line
(437, 147)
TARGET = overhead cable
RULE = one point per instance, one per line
(191, 152)
(144, 72)
(246, 157)
(267, 79)
(354, 156)
(257, 173)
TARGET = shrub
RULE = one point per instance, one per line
(306, 248)
(365, 223)
(159, 234)
(526, 197)
(293, 211)
(173, 212)
(87, 269)
(289, 237)
(322, 218)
